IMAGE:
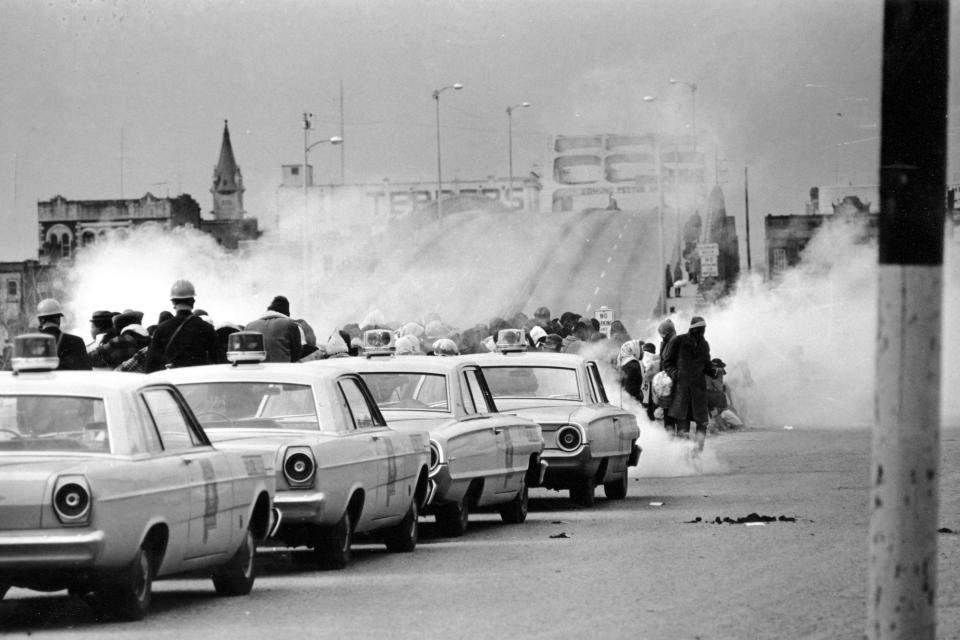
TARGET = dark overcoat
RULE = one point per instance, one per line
(194, 344)
(687, 361)
(70, 349)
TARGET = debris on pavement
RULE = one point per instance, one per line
(752, 519)
(562, 534)
(656, 504)
(946, 530)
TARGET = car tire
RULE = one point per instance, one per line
(127, 595)
(403, 538)
(516, 510)
(333, 548)
(236, 577)
(452, 519)
(617, 489)
(582, 493)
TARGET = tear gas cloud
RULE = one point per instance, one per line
(798, 351)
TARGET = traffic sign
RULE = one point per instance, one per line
(605, 316)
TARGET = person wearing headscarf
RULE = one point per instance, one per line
(667, 332)
(687, 361)
(628, 363)
(649, 367)
(411, 329)
(337, 346)
(445, 347)
(408, 345)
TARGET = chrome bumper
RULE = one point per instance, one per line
(299, 506)
(41, 550)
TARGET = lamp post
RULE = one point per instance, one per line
(693, 106)
(663, 289)
(307, 145)
(510, 146)
(436, 98)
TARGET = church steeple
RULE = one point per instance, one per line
(227, 186)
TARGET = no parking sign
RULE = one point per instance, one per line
(604, 316)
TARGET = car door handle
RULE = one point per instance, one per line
(498, 430)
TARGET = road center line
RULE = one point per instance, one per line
(609, 258)
(602, 273)
(596, 291)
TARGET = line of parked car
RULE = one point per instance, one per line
(111, 480)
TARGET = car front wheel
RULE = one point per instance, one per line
(617, 489)
(452, 518)
(333, 548)
(128, 595)
(236, 577)
(404, 537)
(516, 511)
(582, 492)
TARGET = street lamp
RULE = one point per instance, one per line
(510, 146)
(663, 288)
(693, 106)
(436, 98)
(307, 145)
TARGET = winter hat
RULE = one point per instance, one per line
(280, 304)
(126, 319)
(666, 328)
(101, 317)
(697, 321)
(164, 316)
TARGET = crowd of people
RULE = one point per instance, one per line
(187, 336)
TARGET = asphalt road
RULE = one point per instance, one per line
(638, 568)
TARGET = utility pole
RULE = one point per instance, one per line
(904, 469)
(343, 150)
(746, 213)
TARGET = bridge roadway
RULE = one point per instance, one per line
(475, 266)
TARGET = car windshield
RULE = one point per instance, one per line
(419, 391)
(252, 405)
(53, 423)
(555, 383)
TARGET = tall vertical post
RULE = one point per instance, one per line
(746, 213)
(343, 148)
(663, 285)
(305, 260)
(902, 587)
(436, 98)
(510, 154)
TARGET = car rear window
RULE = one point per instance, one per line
(555, 383)
(407, 390)
(252, 405)
(53, 423)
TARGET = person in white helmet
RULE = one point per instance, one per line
(185, 340)
(70, 348)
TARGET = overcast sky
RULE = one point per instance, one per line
(789, 89)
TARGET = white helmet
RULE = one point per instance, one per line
(182, 289)
(49, 307)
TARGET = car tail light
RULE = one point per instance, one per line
(436, 456)
(299, 466)
(71, 500)
(569, 438)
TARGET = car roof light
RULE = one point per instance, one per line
(378, 342)
(35, 352)
(245, 347)
(511, 340)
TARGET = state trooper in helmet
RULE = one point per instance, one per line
(185, 340)
(70, 348)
